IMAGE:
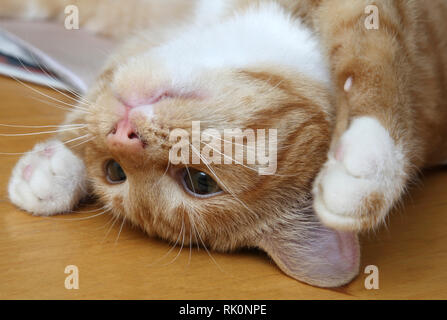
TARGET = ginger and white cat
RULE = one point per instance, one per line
(358, 112)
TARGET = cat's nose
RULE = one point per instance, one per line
(123, 138)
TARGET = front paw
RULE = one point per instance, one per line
(48, 180)
(362, 178)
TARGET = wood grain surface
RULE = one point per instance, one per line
(411, 253)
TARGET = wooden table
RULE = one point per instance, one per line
(411, 253)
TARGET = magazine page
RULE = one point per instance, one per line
(48, 54)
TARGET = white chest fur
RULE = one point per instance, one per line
(264, 34)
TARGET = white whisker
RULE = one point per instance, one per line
(119, 232)
(39, 133)
(76, 139)
(164, 173)
(207, 251)
(108, 222)
(182, 231)
(50, 97)
(245, 166)
(37, 151)
(232, 159)
(233, 143)
(108, 231)
(197, 233)
(78, 219)
(190, 222)
(81, 143)
(52, 77)
(39, 127)
(220, 181)
(54, 105)
(190, 241)
(169, 251)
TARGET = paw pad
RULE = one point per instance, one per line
(48, 180)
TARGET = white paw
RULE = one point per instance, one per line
(48, 180)
(362, 178)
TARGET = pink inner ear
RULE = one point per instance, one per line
(318, 256)
(342, 250)
(334, 255)
(27, 172)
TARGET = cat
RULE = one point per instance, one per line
(358, 112)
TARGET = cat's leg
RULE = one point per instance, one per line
(374, 148)
(48, 180)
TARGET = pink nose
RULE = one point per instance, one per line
(124, 139)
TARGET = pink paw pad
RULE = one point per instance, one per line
(339, 153)
(48, 152)
(27, 172)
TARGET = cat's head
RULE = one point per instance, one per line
(141, 102)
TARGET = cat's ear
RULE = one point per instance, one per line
(313, 253)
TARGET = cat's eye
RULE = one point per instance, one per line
(114, 172)
(200, 183)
